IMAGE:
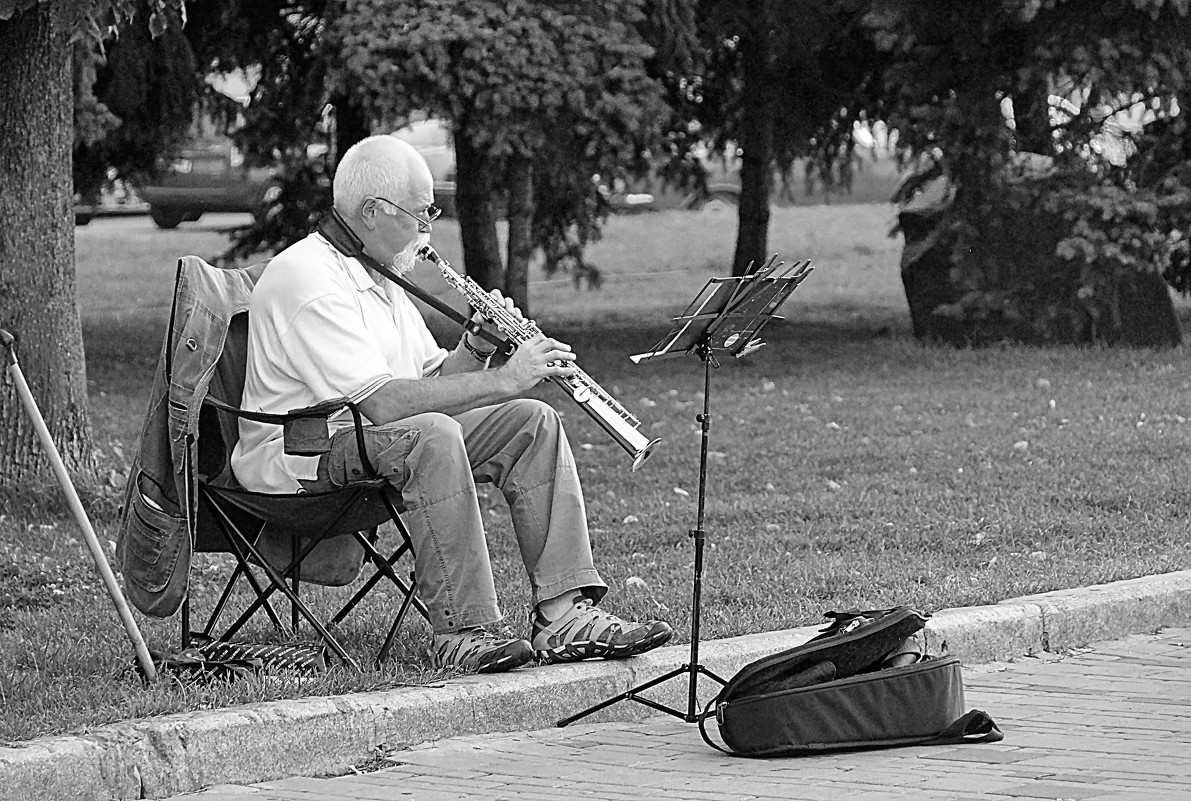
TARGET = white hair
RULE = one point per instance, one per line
(377, 166)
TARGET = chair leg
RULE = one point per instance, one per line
(288, 581)
(278, 581)
(259, 590)
(383, 656)
(367, 586)
(221, 605)
(291, 568)
(295, 582)
(385, 567)
(238, 541)
(213, 621)
(185, 622)
(373, 534)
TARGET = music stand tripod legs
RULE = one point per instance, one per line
(691, 669)
(725, 317)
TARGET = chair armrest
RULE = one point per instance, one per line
(320, 410)
(306, 429)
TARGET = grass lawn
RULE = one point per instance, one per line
(849, 465)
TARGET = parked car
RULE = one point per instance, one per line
(208, 176)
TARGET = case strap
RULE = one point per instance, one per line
(703, 716)
(974, 727)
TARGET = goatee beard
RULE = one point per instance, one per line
(405, 260)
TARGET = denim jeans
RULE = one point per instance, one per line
(436, 460)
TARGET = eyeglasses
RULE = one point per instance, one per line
(432, 213)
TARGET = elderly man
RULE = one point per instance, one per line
(323, 326)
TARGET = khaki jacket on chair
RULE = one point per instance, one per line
(158, 524)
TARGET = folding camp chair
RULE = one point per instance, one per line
(230, 519)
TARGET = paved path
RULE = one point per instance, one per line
(1111, 722)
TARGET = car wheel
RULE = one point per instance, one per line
(82, 217)
(167, 218)
(192, 216)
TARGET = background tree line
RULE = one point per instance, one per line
(1055, 224)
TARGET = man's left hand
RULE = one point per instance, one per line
(489, 325)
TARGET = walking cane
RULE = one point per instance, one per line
(9, 342)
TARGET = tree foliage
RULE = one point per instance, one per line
(976, 87)
(136, 96)
(94, 19)
(282, 45)
(779, 79)
(541, 96)
(555, 92)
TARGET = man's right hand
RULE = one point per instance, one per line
(536, 360)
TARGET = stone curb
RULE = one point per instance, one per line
(159, 757)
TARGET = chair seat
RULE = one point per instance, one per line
(309, 514)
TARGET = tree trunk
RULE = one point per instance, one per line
(37, 282)
(351, 124)
(1031, 117)
(1145, 312)
(477, 214)
(521, 246)
(926, 276)
(756, 171)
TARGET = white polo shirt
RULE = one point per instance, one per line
(320, 327)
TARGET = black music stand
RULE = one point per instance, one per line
(725, 317)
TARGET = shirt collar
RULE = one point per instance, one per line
(356, 271)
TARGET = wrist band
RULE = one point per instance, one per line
(474, 351)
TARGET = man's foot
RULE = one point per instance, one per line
(479, 650)
(586, 631)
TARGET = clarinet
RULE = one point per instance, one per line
(617, 421)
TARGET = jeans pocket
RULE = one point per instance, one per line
(151, 541)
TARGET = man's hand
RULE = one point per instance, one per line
(488, 324)
(536, 360)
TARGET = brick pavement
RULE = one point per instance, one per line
(1111, 722)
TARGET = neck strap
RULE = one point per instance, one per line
(335, 230)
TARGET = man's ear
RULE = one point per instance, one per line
(368, 211)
